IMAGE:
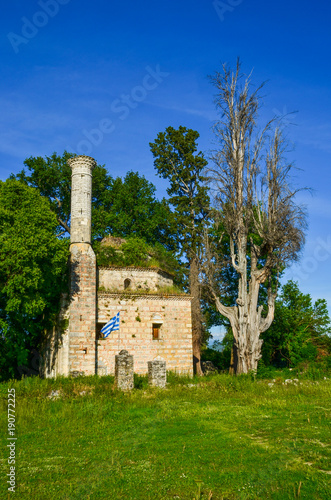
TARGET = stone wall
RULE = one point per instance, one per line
(54, 358)
(113, 278)
(137, 316)
(82, 321)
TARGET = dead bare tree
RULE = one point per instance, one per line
(257, 208)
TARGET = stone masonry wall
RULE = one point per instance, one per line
(137, 315)
(112, 278)
(82, 321)
(55, 346)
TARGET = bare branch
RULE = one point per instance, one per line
(64, 225)
(250, 181)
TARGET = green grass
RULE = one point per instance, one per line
(213, 438)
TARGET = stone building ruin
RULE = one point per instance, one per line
(153, 324)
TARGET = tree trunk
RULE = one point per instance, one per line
(247, 324)
(231, 368)
(246, 353)
(196, 315)
(247, 343)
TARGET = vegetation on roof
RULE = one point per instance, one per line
(134, 252)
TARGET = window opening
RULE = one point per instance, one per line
(99, 328)
(156, 331)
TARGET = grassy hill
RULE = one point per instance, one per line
(218, 437)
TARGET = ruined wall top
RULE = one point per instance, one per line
(133, 278)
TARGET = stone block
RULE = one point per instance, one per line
(157, 373)
(124, 375)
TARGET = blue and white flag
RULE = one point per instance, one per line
(112, 326)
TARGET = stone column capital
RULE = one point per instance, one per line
(82, 160)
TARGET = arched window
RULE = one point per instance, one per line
(127, 283)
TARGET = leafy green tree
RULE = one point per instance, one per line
(130, 209)
(300, 330)
(120, 207)
(52, 176)
(33, 263)
(176, 159)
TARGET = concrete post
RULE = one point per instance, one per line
(124, 377)
(157, 373)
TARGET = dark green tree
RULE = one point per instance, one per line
(130, 209)
(177, 160)
(33, 264)
(52, 177)
(120, 207)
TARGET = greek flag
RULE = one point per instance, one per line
(112, 326)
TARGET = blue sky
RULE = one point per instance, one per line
(103, 78)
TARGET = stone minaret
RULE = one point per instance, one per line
(81, 196)
(82, 319)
